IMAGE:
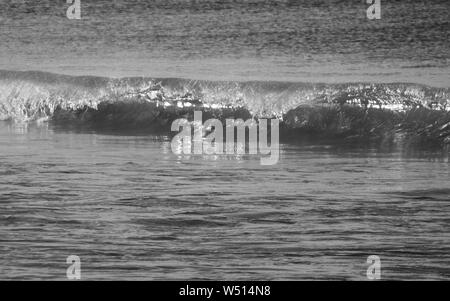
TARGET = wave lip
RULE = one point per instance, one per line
(352, 109)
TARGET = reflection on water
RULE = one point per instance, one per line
(131, 209)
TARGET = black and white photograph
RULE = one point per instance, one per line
(245, 142)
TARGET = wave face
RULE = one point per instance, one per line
(146, 103)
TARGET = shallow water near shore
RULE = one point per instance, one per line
(130, 209)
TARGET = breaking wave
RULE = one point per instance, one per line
(374, 111)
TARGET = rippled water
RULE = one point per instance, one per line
(287, 40)
(132, 210)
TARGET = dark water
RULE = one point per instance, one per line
(287, 40)
(132, 210)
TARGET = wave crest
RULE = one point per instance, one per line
(353, 109)
(34, 95)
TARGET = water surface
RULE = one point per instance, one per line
(288, 40)
(133, 210)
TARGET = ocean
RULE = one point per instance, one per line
(285, 40)
(87, 169)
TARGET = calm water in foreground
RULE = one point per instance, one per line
(132, 210)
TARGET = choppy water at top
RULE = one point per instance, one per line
(132, 210)
(298, 40)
